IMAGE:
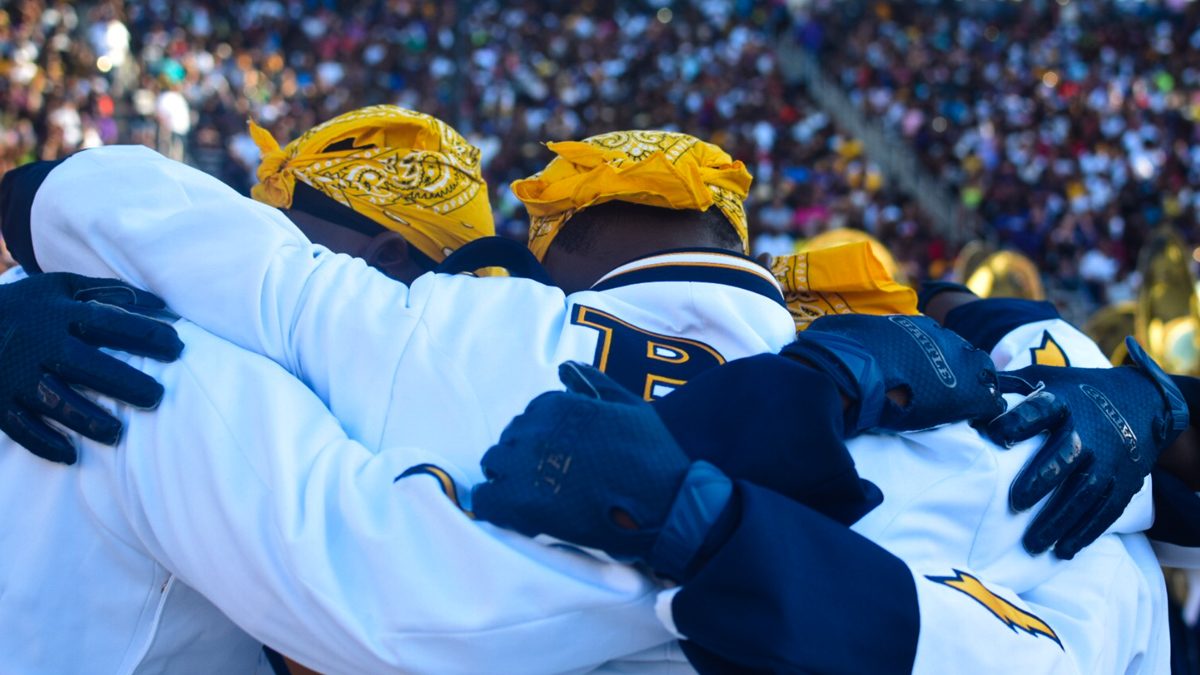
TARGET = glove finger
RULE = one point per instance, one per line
(56, 400)
(107, 376)
(113, 328)
(495, 460)
(1077, 496)
(1055, 461)
(1095, 523)
(128, 298)
(38, 437)
(483, 501)
(501, 506)
(1037, 413)
(588, 381)
(542, 417)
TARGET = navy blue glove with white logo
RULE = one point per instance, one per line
(1106, 428)
(944, 377)
(52, 327)
(595, 466)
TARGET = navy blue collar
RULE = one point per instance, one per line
(715, 266)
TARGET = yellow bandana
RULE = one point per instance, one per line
(405, 170)
(655, 168)
(847, 279)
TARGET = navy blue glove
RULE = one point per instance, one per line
(595, 466)
(944, 377)
(1106, 428)
(51, 329)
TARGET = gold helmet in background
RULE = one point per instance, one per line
(1006, 274)
(1167, 315)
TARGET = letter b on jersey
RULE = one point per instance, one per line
(645, 363)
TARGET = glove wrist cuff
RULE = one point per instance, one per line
(1174, 417)
(698, 505)
(1190, 388)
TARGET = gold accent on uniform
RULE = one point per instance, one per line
(405, 170)
(445, 482)
(1009, 614)
(655, 168)
(847, 279)
(581, 319)
(1049, 353)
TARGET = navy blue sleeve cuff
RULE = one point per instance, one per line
(931, 289)
(1190, 388)
(17, 190)
(984, 323)
(1176, 511)
(1176, 506)
(775, 597)
(699, 505)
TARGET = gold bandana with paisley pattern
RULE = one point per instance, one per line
(407, 171)
(655, 168)
(845, 279)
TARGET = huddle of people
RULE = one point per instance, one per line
(355, 447)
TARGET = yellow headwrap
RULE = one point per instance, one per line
(847, 279)
(405, 170)
(656, 168)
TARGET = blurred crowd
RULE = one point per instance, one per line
(1069, 125)
(184, 75)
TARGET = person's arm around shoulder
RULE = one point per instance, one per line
(247, 488)
(234, 266)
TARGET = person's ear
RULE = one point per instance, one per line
(388, 253)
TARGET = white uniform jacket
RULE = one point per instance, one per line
(242, 484)
(446, 363)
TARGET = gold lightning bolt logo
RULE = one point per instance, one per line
(1009, 614)
(1049, 354)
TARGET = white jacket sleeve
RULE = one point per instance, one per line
(235, 266)
(244, 485)
(1098, 615)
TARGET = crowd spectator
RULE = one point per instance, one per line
(183, 75)
(1069, 125)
